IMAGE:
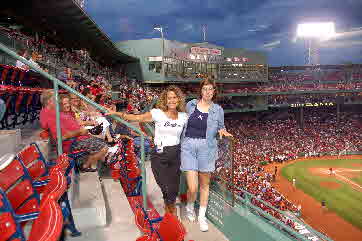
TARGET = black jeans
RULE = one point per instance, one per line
(166, 170)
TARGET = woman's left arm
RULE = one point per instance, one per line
(221, 125)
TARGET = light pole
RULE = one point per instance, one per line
(163, 51)
(313, 34)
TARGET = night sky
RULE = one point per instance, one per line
(263, 25)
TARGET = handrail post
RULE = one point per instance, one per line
(57, 112)
(232, 139)
(143, 169)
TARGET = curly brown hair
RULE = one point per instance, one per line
(162, 99)
(208, 81)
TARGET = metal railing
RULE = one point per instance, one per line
(58, 83)
(244, 198)
(236, 197)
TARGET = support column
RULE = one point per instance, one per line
(301, 117)
(338, 113)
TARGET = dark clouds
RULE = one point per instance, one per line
(266, 25)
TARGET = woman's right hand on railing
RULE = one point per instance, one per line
(111, 112)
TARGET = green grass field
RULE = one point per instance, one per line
(345, 201)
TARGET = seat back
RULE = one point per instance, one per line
(171, 229)
(64, 164)
(17, 184)
(10, 229)
(34, 161)
(4, 73)
(48, 226)
(141, 221)
(56, 186)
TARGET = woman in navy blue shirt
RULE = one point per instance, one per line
(199, 149)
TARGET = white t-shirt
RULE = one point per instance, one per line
(167, 131)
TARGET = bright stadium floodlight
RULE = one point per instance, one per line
(313, 33)
(319, 31)
(160, 29)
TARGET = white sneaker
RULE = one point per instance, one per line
(190, 214)
(204, 227)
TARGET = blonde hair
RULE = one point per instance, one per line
(46, 96)
(162, 99)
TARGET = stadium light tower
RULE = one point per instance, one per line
(313, 33)
(160, 29)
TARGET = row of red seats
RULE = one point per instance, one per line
(129, 171)
(22, 105)
(125, 168)
(35, 190)
(11, 75)
(19, 90)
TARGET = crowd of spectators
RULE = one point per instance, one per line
(247, 75)
(305, 98)
(79, 70)
(316, 76)
(313, 98)
(266, 141)
(305, 81)
(136, 97)
(283, 87)
(49, 56)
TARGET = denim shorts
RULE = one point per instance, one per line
(196, 155)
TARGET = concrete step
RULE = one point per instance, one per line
(118, 221)
(88, 204)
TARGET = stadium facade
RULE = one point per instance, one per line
(187, 62)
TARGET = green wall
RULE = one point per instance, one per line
(144, 48)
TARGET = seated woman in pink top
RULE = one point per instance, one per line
(70, 128)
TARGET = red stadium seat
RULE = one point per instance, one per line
(56, 187)
(48, 226)
(10, 229)
(141, 221)
(171, 229)
(35, 163)
(17, 184)
(144, 238)
(7, 226)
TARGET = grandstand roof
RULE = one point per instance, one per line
(73, 27)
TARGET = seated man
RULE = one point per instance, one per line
(70, 128)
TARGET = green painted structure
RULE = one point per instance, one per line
(241, 220)
(183, 61)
